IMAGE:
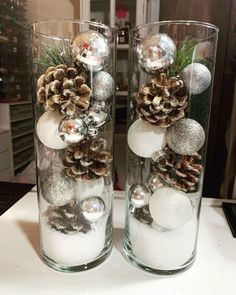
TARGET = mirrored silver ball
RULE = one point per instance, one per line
(155, 52)
(154, 183)
(97, 115)
(93, 208)
(139, 195)
(196, 77)
(103, 86)
(185, 137)
(72, 129)
(90, 49)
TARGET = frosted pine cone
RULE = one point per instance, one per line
(88, 159)
(181, 172)
(67, 219)
(162, 101)
(63, 88)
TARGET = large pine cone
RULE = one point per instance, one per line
(67, 219)
(88, 159)
(162, 101)
(62, 88)
(181, 172)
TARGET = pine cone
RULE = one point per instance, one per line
(181, 172)
(88, 159)
(162, 101)
(67, 219)
(142, 214)
(62, 88)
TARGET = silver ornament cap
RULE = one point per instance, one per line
(185, 137)
(196, 77)
(103, 86)
(139, 195)
(93, 208)
(91, 49)
(155, 52)
(72, 129)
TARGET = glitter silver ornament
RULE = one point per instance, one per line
(155, 52)
(93, 208)
(58, 189)
(196, 77)
(154, 183)
(103, 85)
(185, 137)
(139, 195)
(72, 129)
(90, 49)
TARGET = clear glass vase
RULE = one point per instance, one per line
(171, 77)
(73, 96)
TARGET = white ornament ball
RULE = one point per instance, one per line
(144, 139)
(93, 208)
(196, 77)
(139, 195)
(170, 208)
(47, 130)
(103, 86)
(89, 188)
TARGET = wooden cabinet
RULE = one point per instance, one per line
(17, 118)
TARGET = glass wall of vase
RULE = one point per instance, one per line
(73, 92)
(171, 77)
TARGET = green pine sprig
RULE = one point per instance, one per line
(184, 56)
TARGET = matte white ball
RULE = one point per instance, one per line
(170, 208)
(144, 139)
(89, 188)
(47, 130)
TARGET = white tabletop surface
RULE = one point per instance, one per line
(22, 271)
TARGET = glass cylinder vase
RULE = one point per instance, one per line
(73, 96)
(171, 78)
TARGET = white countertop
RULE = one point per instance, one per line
(22, 272)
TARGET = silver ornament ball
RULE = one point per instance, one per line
(103, 86)
(196, 77)
(154, 183)
(90, 49)
(139, 195)
(72, 129)
(155, 52)
(58, 189)
(185, 137)
(97, 115)
(93, 208)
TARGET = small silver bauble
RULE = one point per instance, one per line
(155, 52)
(103, 85)
(170, 208)
(72, 129)
(91, 49)
(93, 208)
(196, 77)
(185, 137)
(139, 195)
(154, 183)
(58, 189)
(47, 130)
(97, 115)
(144, 139)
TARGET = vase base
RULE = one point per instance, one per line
(76, 268)
(131, 258)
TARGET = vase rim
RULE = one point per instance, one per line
(176, 22)
(74, 21)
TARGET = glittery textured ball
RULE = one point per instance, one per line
(58, 189)
(90, 49)
(196, 77)
(103, 86)
(185, 137)
(155, 52)
(139, 195)
(72, 129)
(93, 208)
(170, 208)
